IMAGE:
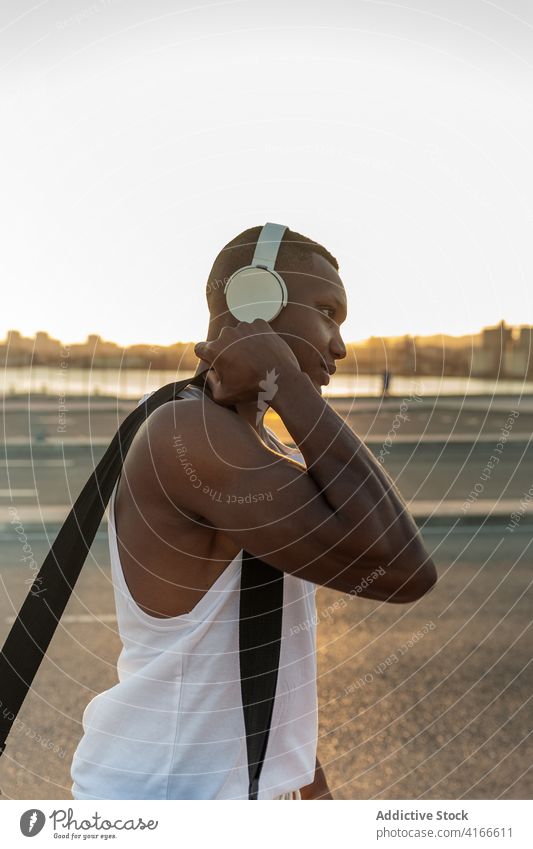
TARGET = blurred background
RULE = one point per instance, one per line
(141, 137)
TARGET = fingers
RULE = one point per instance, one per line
(202, 351)
(258, 325)
(243, 329)
(217, 390)
(212, 381)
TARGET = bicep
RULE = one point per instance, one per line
(211, 462)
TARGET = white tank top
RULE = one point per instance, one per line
(173, 725)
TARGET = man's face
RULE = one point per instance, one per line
(310, 323)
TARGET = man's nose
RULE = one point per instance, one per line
(338, 348)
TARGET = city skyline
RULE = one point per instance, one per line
(93, 335)
(464, 326)
(501, 350)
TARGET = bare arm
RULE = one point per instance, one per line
(340, 523)
(377, 524)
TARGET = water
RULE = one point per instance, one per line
(133, 383)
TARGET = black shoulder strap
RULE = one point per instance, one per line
(35, 625)
(260, 624)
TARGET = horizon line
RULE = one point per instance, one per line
(499, 325)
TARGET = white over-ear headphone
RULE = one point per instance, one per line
(256, 290)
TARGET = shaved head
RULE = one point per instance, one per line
(295, 254)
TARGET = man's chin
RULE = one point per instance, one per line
(317, 385)
(312, 374)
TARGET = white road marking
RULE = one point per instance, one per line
(54, 420)
(36, 464)
(20, 493)
(35, 514)
(36, 535)
(77, 619)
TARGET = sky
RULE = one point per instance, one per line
(140, 137)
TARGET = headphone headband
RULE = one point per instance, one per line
(268, 245)
(257, 290)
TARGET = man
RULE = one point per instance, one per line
(200, 484)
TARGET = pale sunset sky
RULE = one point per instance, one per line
(139, 137)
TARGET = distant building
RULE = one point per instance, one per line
(17, 350)
(45, 349)
(518, 361)
(489, 358)
(16, 342)
(96, 353)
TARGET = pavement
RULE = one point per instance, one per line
(428, 700)
(423, 701)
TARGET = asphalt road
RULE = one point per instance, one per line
(444, 713)
(369, 417)
(54, 475)
(434, 450)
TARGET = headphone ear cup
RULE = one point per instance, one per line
(255, 293)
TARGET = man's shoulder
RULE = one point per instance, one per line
(195, 413)
(207, 432)
(173, 433)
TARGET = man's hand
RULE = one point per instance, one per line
(241, 357)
